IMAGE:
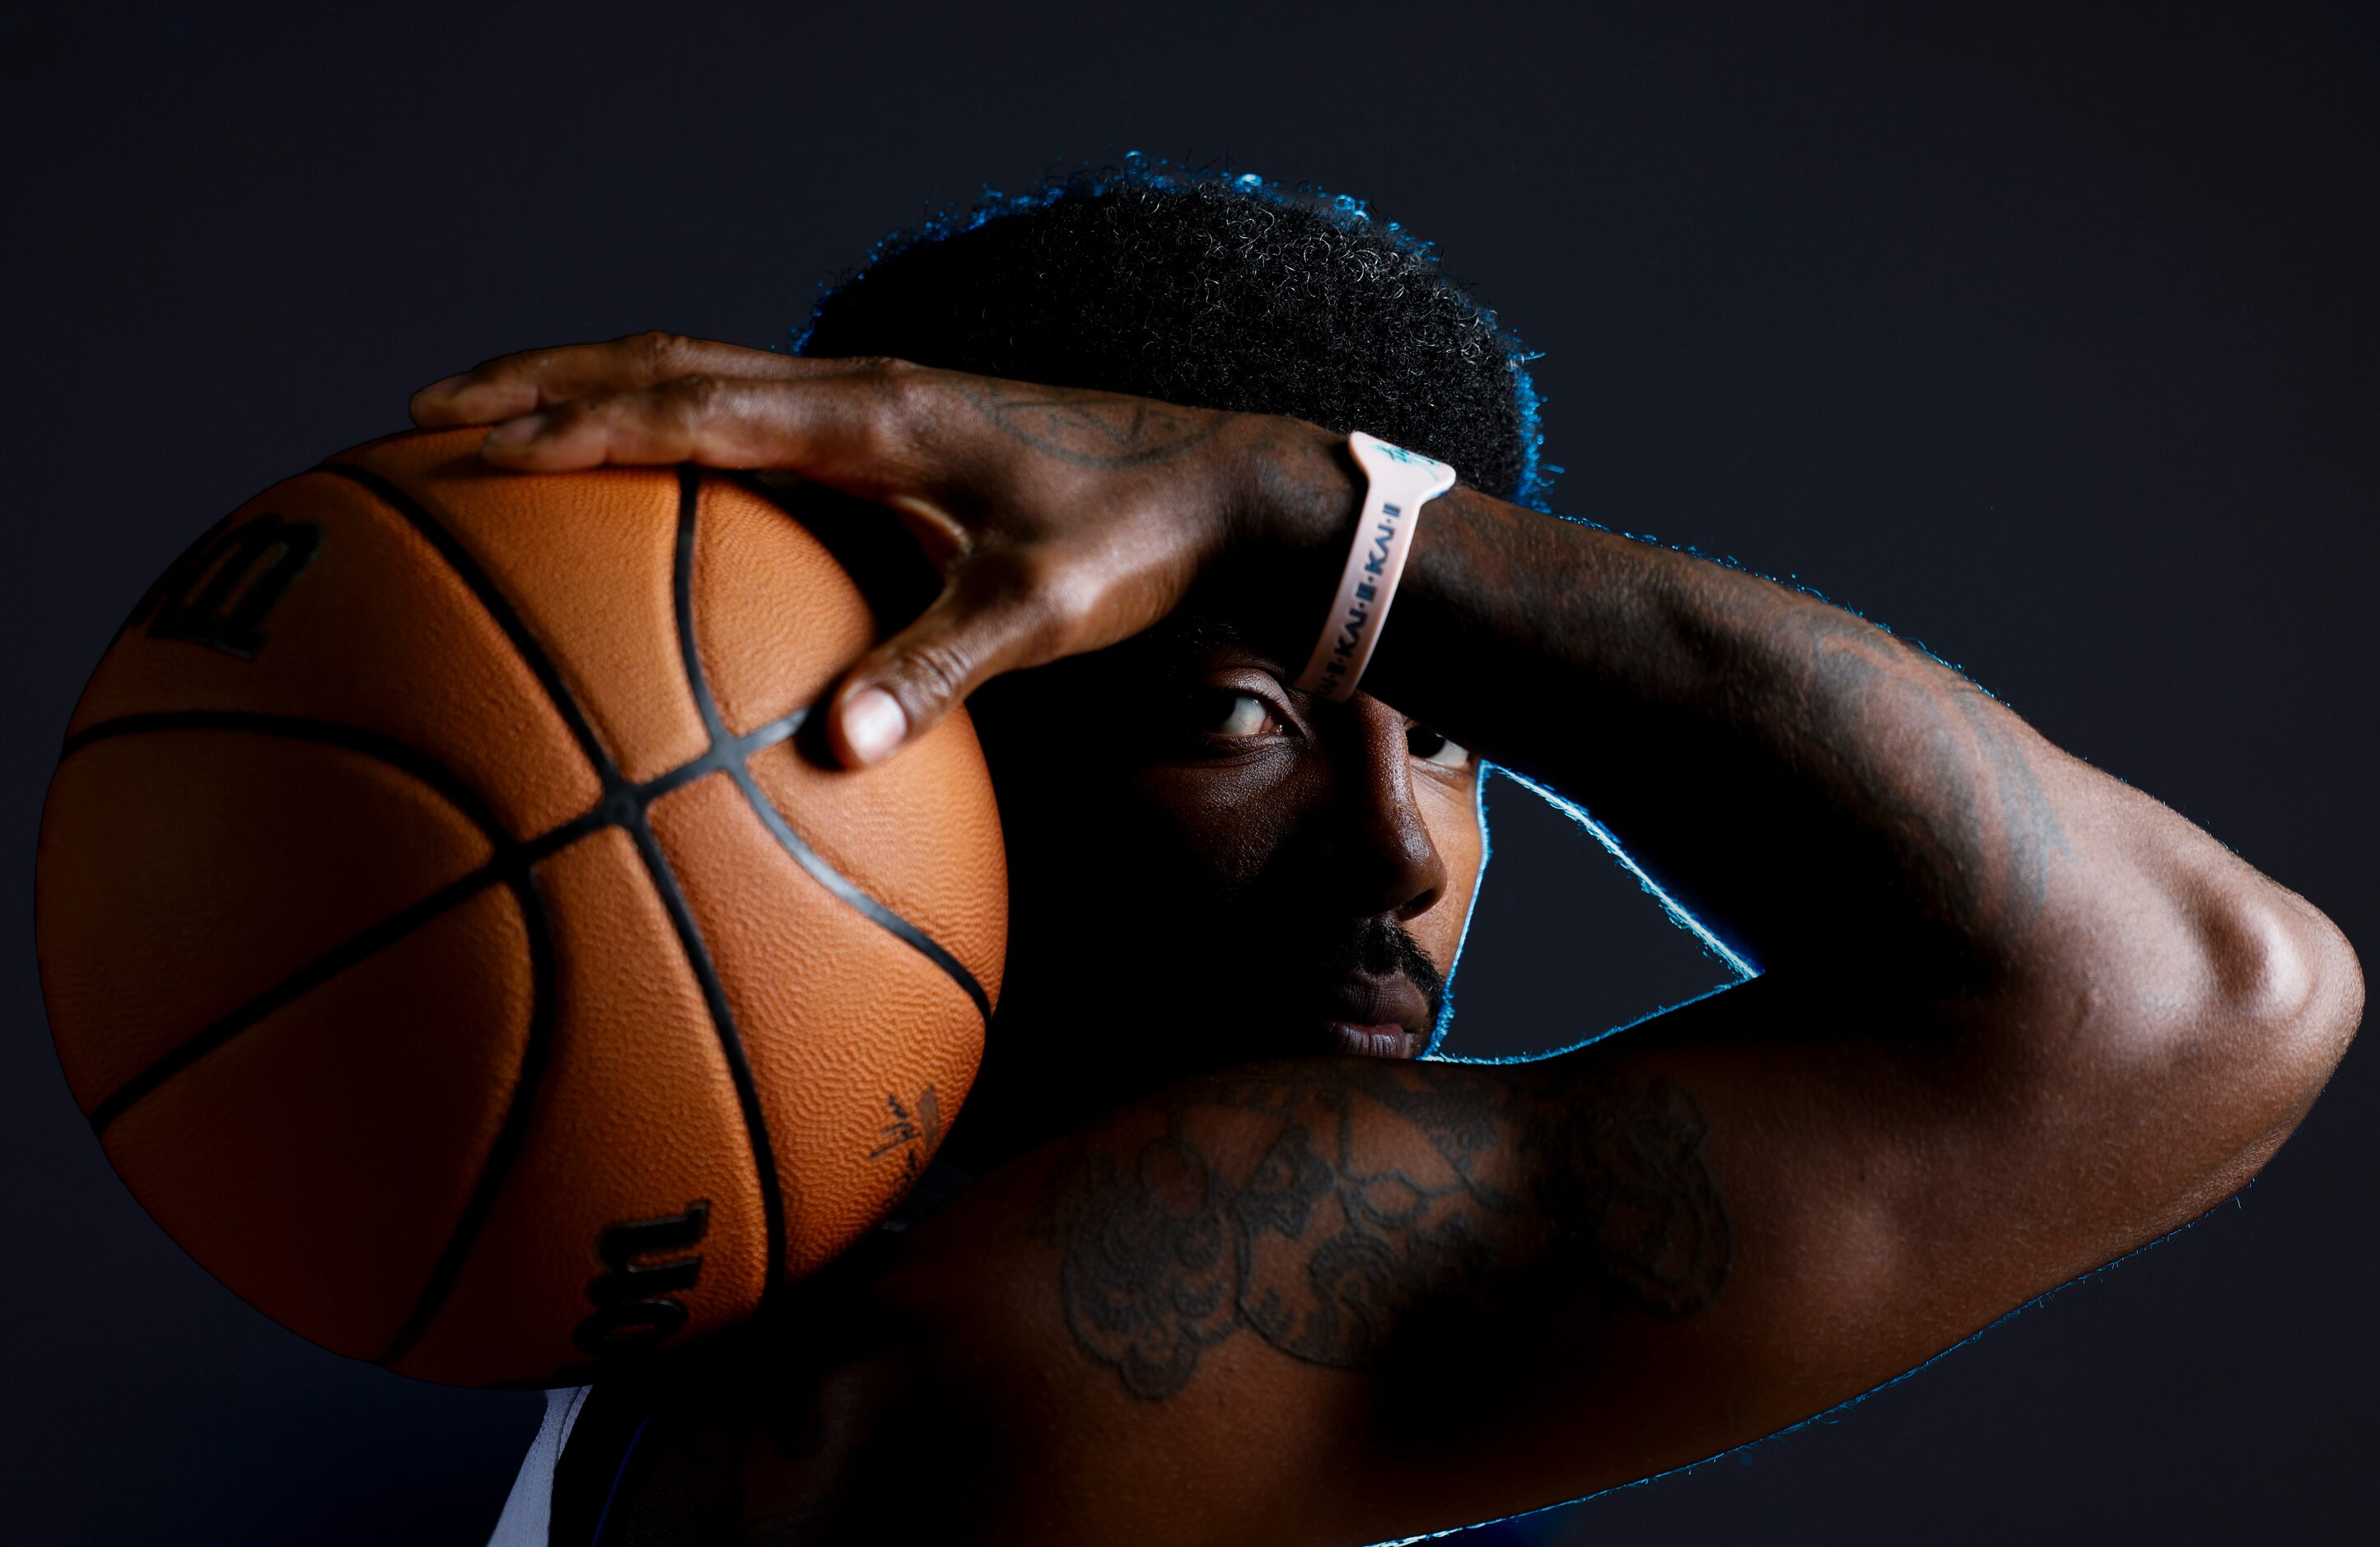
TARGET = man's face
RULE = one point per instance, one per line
(1210, 868)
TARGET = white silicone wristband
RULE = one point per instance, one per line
(1397, 483)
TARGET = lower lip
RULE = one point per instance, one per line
(1372, 1041)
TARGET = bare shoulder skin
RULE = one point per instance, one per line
(2015, 1018)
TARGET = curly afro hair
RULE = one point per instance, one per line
(1207, 287)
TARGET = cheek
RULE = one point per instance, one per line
(1451, 815)
(1227, 825)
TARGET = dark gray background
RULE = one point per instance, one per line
(2045, 338)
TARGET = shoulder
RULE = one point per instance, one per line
(1311, 1301)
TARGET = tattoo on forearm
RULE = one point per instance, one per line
(1091, 428)
(1326, 1208)
(2031, 833)
(1958, 788)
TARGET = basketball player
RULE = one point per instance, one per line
(1240, 1266)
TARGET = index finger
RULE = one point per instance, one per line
(510, 385)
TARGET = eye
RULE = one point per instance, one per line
(1432, 748)
(1234, 716)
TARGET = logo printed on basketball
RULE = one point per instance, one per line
(218, 593)
(911, 1129)
(492, 907)
(634, 1311)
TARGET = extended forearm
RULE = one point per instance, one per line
(1823, 789)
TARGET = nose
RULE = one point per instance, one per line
(1380, 844)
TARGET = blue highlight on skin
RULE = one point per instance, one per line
(1741, 966)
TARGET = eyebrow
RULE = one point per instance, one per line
(1203, 631)
(1176, 640)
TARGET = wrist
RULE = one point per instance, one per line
(1297, 491)
(1295, 495)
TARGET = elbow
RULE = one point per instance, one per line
(2284, 988)
(2200, 1037)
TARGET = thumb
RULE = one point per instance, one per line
(904, 687)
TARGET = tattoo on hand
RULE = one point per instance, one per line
(1091, 428)
(1378, 1197)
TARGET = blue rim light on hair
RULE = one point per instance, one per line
(1140, 170)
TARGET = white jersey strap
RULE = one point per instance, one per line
(529, 1508)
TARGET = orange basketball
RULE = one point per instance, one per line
(451, 942)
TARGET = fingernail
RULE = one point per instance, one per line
(873, 724)
(446, 386)
(516, 432)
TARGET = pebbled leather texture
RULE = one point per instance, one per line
(429, 970)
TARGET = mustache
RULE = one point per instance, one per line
(1385, 948)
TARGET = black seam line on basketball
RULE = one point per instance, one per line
(505, 856)
(610, 811)
(792, 842)
(511, 858)
(315, 973)
(512, 864)
(714, 992)
(867, 907)
(327, 733)
(437, 775)
(726, 754)
(483, 586)
(535, 1051)
(731, 1043)
(534, 1055)
(697, 681)
(618, 809)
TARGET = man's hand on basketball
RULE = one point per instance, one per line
(1063, 520)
